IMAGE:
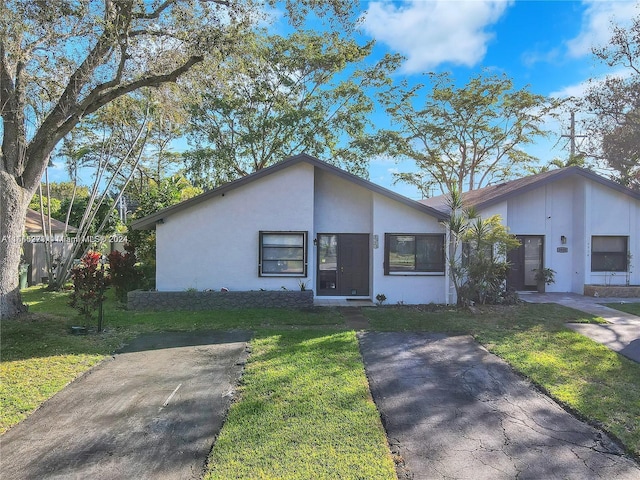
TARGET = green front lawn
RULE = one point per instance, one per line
(633, 308)
(39, 356)
(304, 394)
(304, 408)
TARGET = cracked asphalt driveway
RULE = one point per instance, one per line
(452, 410)
(150, 413)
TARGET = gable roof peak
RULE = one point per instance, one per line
(150, 220)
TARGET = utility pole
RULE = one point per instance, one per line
(572, 135)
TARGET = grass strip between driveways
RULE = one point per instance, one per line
(598, 383)
(633, 308)
(304, 411)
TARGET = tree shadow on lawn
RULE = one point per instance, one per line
(460, 321)
(37, 335)
(164, 340)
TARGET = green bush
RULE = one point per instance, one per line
(89, 285)
(123, 272)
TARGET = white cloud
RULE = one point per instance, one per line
(596, 24)
(579, 89)
(433, 32)
(532, 57)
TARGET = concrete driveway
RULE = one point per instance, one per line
(452, 410)
(152, 412)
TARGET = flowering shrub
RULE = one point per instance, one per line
(89, 285)
(124, 274)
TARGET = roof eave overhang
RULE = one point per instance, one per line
(567, 172)
(150, 221)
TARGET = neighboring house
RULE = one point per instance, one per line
(306, 222)
(303, 222)
(34, 247)
(581, 225)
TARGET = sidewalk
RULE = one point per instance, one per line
(620, 334)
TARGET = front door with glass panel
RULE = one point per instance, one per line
(525, 260)
(343, 264)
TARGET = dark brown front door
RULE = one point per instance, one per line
(343, 264)
(524, 261)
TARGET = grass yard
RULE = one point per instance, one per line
(25, 384)
(304, 412)
(304, 409)
(633, 308)
(592, 380)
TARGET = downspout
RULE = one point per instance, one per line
(447, 276)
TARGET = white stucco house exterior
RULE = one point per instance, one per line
(583, 226)
(306, 222)
(303, 221)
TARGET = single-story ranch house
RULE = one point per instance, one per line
(304, 222)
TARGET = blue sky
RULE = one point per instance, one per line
(543, 44)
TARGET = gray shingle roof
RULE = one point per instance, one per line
(33, 224)
(487, 196)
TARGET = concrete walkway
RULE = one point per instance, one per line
(150, 413)
(353, 318)
(622, 332)
(454, 411)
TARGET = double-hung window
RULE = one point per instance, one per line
(406, 253)
(609, 254)
(283, 254)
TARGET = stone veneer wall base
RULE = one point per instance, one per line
(618, 291)
(194, 301)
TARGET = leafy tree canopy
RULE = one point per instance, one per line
(62, 61)
(612, 126)
(463, 138)
(306, 92)
(64, 190)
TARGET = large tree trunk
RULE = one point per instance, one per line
(14, 201)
